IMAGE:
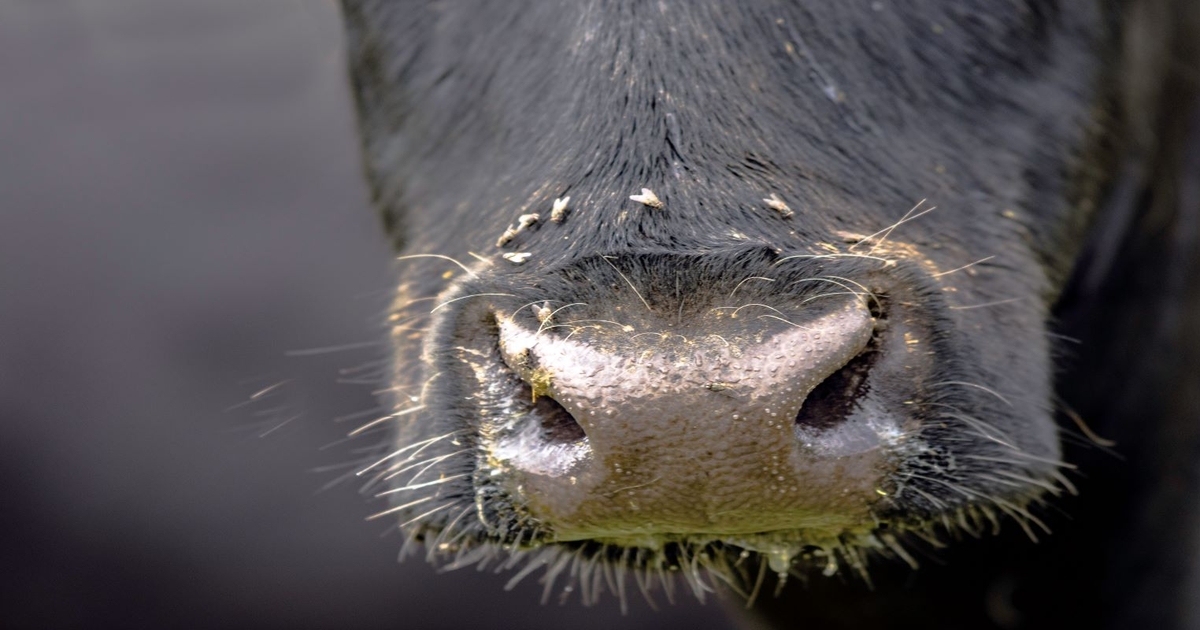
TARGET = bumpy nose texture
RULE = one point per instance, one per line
(696, 428)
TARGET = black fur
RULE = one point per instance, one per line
(1016, 120)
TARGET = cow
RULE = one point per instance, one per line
(835, 307)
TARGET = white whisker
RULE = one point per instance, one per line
(439, 256)
(790, 323)
(429, 513)
(886, 261)
(310, 352)
(744, 281)
(985, 304)
(966, 266)
(980, 387)
(467, 297)
(427, 484)
(399, 508)
(417, 445)
(385, 419)
(635, 291)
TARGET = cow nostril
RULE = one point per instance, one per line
(557, 424)
(538, 436)
(833, 399)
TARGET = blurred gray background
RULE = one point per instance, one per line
(181, 210)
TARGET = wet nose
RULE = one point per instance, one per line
(735, 422)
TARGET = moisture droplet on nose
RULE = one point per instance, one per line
(779, 559)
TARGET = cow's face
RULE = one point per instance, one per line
(786, 290)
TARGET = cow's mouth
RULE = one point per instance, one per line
(807, 428)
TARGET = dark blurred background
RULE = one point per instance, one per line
(181, 211)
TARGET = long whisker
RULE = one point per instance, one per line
(985, 304)
(888, 229)
(424, 465)
(822, 256)
(399, 508)
(439, 256)
(790, 323)
(555, 312)
(744, 281)
(860, 286)
(310, 352)
(739, 309)
(417, 445)
(831, 294)
(429, 513)
(966, 266)
(385, 419)
(466, 297)
(976, 386)
(427, 484)
(635, 291)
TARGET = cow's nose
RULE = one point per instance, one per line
(732, 423)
